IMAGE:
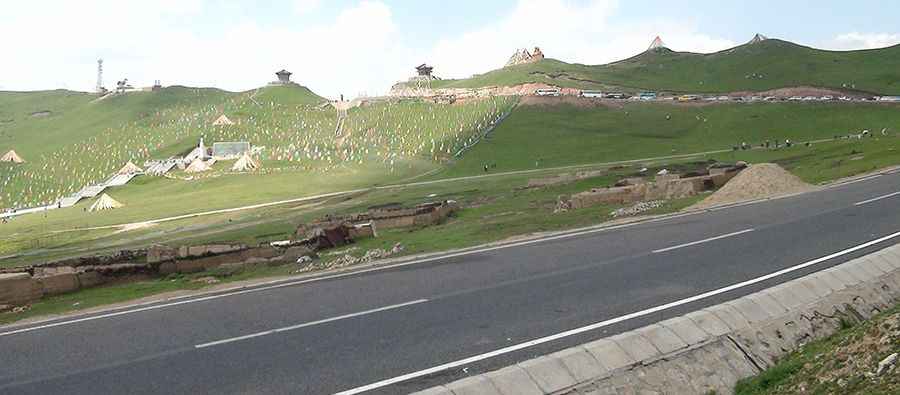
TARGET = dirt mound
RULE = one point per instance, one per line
(797, 91)
(764, 180)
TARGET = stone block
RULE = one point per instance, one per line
(513, 380)
(18, 289)
(730, 316)
(581, 364)
(263, 252)
(847, 273)
(58, 284)
(196, 251)
(90, 279)
(866, 269)
(169, 267)
(771, 306)
(816, 286)
(160, 253)
(785, 296)
(686, 330)
(609, 354)
(638, 347)
(549, 374)
(662, 338)
(709, 323)
(475, 385)
(882, 263)
(828, 278)
(753, 312)
(189, 266)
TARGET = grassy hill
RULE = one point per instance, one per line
(71, 140)
(557, 133)
(769, 64)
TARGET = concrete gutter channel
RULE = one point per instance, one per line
(710, 349)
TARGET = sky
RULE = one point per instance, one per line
(363, 47)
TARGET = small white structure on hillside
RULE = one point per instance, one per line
(222, 121)
(12, 157)
(105, 203)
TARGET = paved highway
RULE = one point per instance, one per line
(404, 328)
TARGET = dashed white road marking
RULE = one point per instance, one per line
(876, 199)
(308, 324)
(601, 324)
(693, 243)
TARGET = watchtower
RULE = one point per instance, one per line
(422, 80)
(284, 77)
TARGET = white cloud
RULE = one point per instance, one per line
(575, 32)
(303, 7)
(361, 49)
(145, 42)
(856, 40)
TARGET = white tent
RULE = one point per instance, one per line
(105, 203)
(245, 163)
(656, 44)
(223, 121)
(12, 156)
(130, 168)
(197, 166)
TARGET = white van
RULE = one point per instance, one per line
(547, 92)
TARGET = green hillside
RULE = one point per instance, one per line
(761, 66)
(70, 140)
(541, 136)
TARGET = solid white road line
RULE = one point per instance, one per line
(576, 331)
(308, 324)
(876, 199)
(693, 243)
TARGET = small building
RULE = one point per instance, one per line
(230, 150)
(284, 77)
(424, 70)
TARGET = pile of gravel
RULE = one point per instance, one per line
(764, 180)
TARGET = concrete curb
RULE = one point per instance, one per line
(710, 349)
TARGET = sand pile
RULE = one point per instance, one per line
(764, 180)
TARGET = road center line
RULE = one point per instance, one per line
(601, 324)
(702, 241)
(308, 324)
(876, 199)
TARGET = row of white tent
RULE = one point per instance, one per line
(244, 163)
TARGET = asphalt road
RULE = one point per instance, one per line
(352, 331)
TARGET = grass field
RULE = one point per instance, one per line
(751, 67)
(76, 142)
(557, 133)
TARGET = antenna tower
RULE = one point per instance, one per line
(100, 76)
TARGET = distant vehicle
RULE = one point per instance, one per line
(755, 98)
(809, 98)
(592, 94)
(770, 98)
(684, 98)
(845, 98)
(616, 95)
(826, 98)
(648, 96)
(795, 98)
(723, 98)
(891, 99)
(547, 92)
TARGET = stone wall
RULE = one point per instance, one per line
(29, 284)
(707, 350)
(665, 187)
